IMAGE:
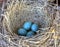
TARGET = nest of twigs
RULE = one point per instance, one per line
(18, 12)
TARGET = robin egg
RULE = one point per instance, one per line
(34, 27)
(30, 34)
(22, 32)
(27, 25)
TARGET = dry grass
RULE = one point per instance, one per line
(19, 12)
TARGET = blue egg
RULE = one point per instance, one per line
(27, 25)
(30, 34)
(22, 32)
(34, 27)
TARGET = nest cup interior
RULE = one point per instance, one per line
(21, 13)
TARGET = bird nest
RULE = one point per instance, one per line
(40, 12)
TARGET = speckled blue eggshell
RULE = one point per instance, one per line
(22, 32)
(30, 34)
(34, 27)
(27, 25)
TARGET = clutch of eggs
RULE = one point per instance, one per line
(28, 29)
